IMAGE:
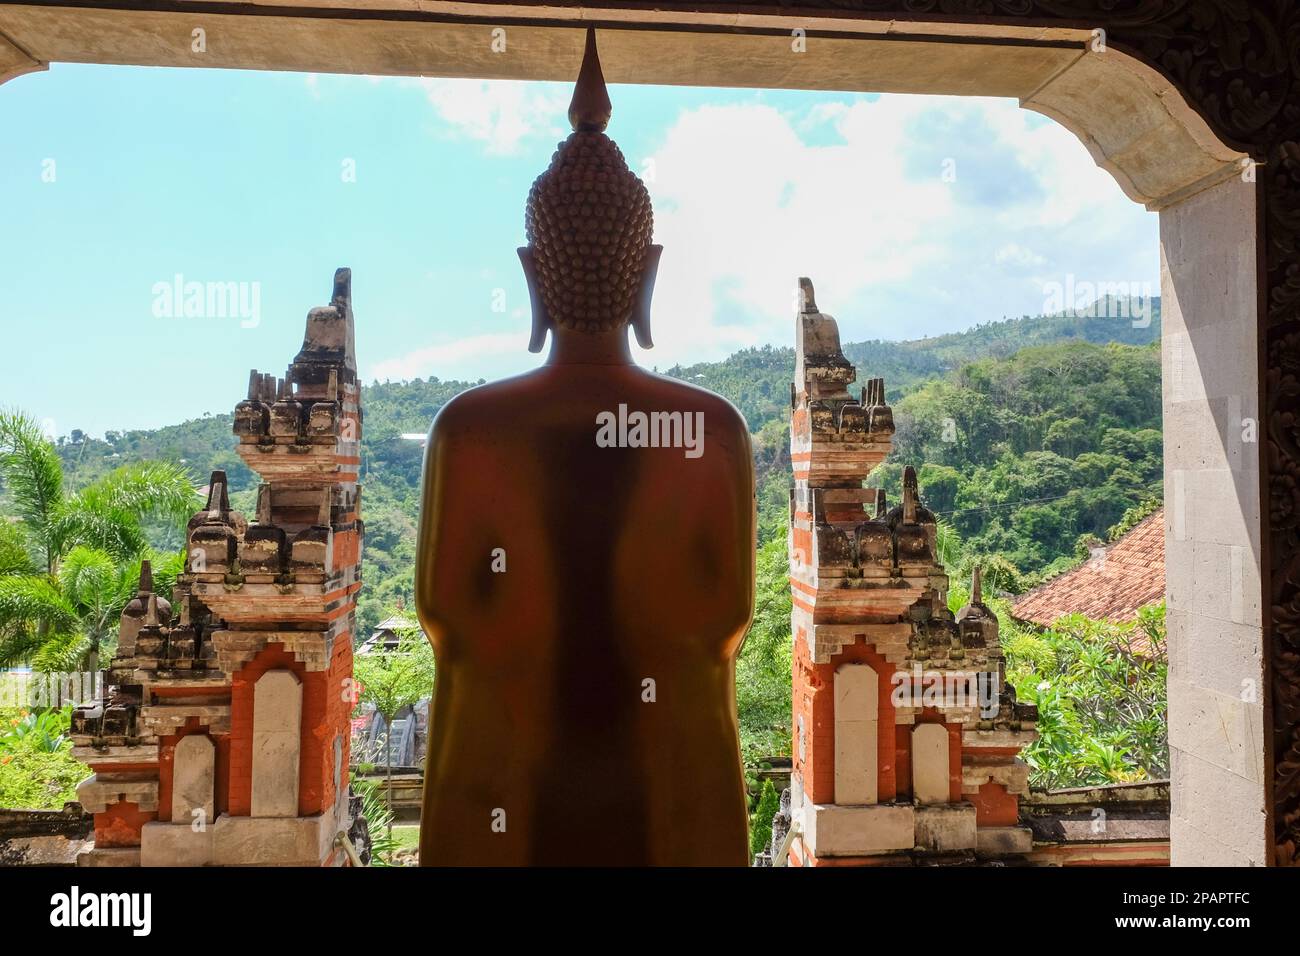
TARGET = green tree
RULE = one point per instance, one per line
(763, 669)
(1067, 436)
(68, 558)
(939, 486)
(83, 604)
(391, 680)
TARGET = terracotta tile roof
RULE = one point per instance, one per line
(1111, 586)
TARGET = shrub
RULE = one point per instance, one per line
(36, 779)
(44, 730)
(1029, 651)
(379, 817)
(1101, 697)
(760, 824)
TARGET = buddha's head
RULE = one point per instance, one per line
(589, 262)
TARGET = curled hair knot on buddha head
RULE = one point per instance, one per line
(589, 223)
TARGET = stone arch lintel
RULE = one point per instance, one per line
(1131, 118)
(16, 62)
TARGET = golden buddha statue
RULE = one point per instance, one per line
(585, 567)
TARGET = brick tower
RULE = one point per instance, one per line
(224, 737)
(906, 734)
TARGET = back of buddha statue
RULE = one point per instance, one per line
(586, 602)
(585, 565)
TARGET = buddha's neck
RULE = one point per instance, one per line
(581, 348)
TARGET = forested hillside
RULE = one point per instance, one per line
(758, 379)
(1024, 455)
(1025, 449)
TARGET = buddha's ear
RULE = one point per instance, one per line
(541, 321)
(641, 310)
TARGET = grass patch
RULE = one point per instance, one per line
(407, 836)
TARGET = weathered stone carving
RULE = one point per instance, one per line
(906, 729)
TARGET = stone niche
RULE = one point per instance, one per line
(277, 732)
(193, 779)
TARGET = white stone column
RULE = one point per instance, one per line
(1209, 272)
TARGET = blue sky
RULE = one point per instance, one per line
(913, 215)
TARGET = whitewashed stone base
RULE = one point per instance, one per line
(830, 830)
(175, 844)
(273, 841)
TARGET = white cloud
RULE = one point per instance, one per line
(851, 192)
(744, 206)
(465, 358)
(749, 198)
(498, 113)
(1017, 255)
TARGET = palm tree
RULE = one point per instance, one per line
(69, 560)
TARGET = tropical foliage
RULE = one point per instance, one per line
(392, 680)
(1024, 455)
(763, 669)
(69, 559)
(37, 769)
(45, 731)
(379, 820)
(1100, 692)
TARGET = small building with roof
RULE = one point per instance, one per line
(387, 635)
(1113, 585)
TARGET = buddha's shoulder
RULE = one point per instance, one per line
(479, 408)
(509, 404)
(675, 395)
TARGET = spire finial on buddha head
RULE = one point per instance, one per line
(590, 109)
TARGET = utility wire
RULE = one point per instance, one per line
(1005, 504)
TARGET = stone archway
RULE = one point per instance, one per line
(1175, 99)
